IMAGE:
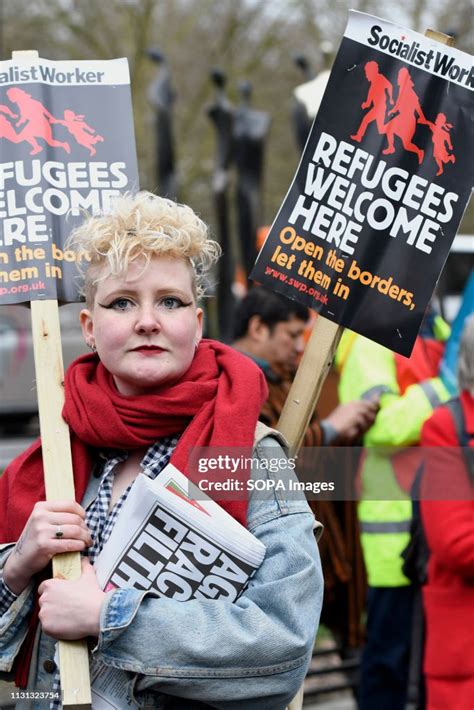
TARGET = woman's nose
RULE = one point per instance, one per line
(147, 321)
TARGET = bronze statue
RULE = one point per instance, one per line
(162, 97)
(221, 113)
(250, 130)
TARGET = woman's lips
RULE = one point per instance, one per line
(148, 350)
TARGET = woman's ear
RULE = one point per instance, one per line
(199, 316)
(87, 326)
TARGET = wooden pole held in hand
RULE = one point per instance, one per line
(59, 482)
(315, 365)
(309, 379)
(58, 474)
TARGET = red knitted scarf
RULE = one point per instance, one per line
(216, 403)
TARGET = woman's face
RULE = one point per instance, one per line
(145, 326)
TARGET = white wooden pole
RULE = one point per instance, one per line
(58, 474)
(315, 365)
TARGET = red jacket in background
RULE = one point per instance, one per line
(449, 593)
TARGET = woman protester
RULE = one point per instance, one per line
(150, 391)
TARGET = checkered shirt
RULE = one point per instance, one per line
(99, 519)
(6, 597)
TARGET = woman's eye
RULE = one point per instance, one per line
(120, 304)
(171, 302)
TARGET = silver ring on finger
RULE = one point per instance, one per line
(59, 533)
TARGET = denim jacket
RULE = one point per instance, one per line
(253, 652)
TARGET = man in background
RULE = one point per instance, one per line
(270, 329)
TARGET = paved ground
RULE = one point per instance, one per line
(342, 703)
(5, 697)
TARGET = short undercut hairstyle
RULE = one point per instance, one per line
(137, 228)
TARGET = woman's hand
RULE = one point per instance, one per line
(71, 610)
(38, 542)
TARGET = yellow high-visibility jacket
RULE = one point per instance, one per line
(385, 510)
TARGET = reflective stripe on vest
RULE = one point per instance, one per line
(375, 392)
(431, 394)
(393, 527)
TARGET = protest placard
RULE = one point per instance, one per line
(386, 174)
(66, 146)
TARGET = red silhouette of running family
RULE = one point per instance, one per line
(379, 90)
(77, 127)
(406, 115)
(442, 142)
(37, 122)
(6, 129)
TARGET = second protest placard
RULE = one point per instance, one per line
(386, 174)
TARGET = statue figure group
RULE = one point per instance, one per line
(37, 121)
(405, 115)
(240, 140)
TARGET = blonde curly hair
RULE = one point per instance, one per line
(141, 226)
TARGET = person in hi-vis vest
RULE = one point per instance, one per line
(408, 390)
